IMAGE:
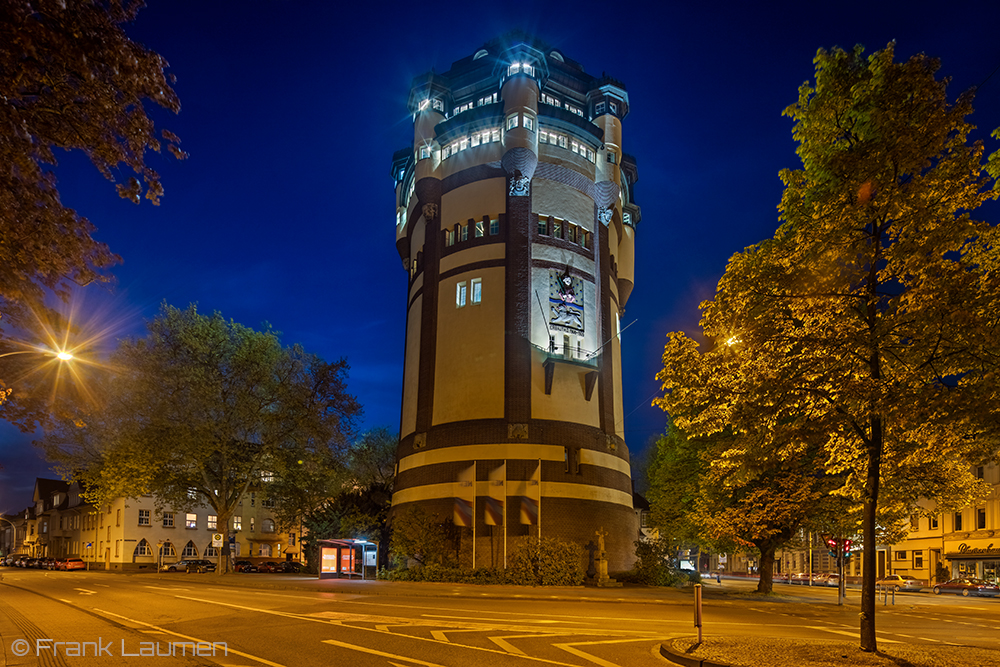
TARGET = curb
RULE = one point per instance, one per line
(685, 660)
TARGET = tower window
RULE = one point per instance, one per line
(437, 105)
(449, 237)
(548, 99)
(529, 123)
(612, 158)
(494, 227)
(557, 229)
(614, 107)
(477, 290)
(425, 152)
(460, 291)
(480, 229)
(543, 226)
(511, 121)
(599, 108)
(464, 233)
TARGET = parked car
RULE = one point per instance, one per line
(244, 566)
(819, 579)
(74, 564)
(901, 582)
(190, 565)
(799, 578)
(269, 566)
(57, 564)
(967, 586)
(291, 566)
(832, 580)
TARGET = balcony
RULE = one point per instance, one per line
(570, 356)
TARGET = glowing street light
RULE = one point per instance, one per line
(62, 355)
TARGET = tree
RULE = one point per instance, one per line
(723, 491)
(868, 324)
(72, 80)
(199, 410)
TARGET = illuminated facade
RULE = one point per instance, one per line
(515, 224)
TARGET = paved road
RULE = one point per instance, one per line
(297, 622)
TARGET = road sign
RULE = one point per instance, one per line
(217, 540)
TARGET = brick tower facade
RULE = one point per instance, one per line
(515, 224)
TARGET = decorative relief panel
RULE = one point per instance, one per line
(565, 301)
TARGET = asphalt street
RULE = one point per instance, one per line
(291, 621)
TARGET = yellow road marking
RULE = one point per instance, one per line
(571, 647)
(365, 649)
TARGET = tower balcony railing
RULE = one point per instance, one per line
(570, 353)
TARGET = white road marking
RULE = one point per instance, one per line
(84, 591)
(365, 649)
(849, 633)
(593, 658)
(192, 639)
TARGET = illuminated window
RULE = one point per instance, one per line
(252, 528)
(548, 99)
(142, 549)
(237, 523)
(464, 232)
(562, 141)
(463, 143)
(495, 135)
(480, 229)
(591, 155)
(599, 108)
(474, 140)
(168, 519)
(511, 121)
(529, 123)
(460, 290)
(190, 520)
(449, 237)
(494, 227)
(267, 526)
(437, 105)
(613, 106)
(425, 152)
(143, 517)
(477, 297)
(265, 550)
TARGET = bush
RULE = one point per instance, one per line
(653, 566)
(553, 563)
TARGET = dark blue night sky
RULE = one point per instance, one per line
(291, 112)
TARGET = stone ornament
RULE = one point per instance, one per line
(517, 431)
(604, 215)
(430, 211)
(519, 185)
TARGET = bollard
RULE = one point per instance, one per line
(697, 609)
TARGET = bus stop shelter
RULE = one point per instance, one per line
(339, 559)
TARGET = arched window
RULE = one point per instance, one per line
(142, 549)
(167, 550)
(190, 551)
(267, 525)
(211, 552)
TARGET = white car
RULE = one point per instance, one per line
(901, 582)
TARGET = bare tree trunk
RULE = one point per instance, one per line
(766, 569)
(869, 563)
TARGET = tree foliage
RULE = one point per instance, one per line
(200, 410)
(868, 325)
(72, 80)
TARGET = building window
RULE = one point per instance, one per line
(190, 520)
(449, 238)
(237, 523)
(958, 521)
(980, 518)
(900, 555)
(251, 524)
(143, 517)
(543, 226)
(142, 549)
(267, 502)
(211, 552)
(118, 546)
(291, 539)
(253, 498)
(480, 229)
(613, 107)
(190, 551)
(557, 229)
(425, 152)
(464, 233)
(265, 550)
(529, 123)
(599, 108)
(548, 99)
(267, 526)
(612, 158)
(168, 519)
(980, 472)
(918, 559)
(213, 522)
(236, 549)
(460, 295)
(934, 521)
(494, 227)
(511, 121)
(118, 517)
(437, 105)
(167, 550)
(477, 290)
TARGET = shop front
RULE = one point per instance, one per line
(975, 558)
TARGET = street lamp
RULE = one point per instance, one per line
(61, 355)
